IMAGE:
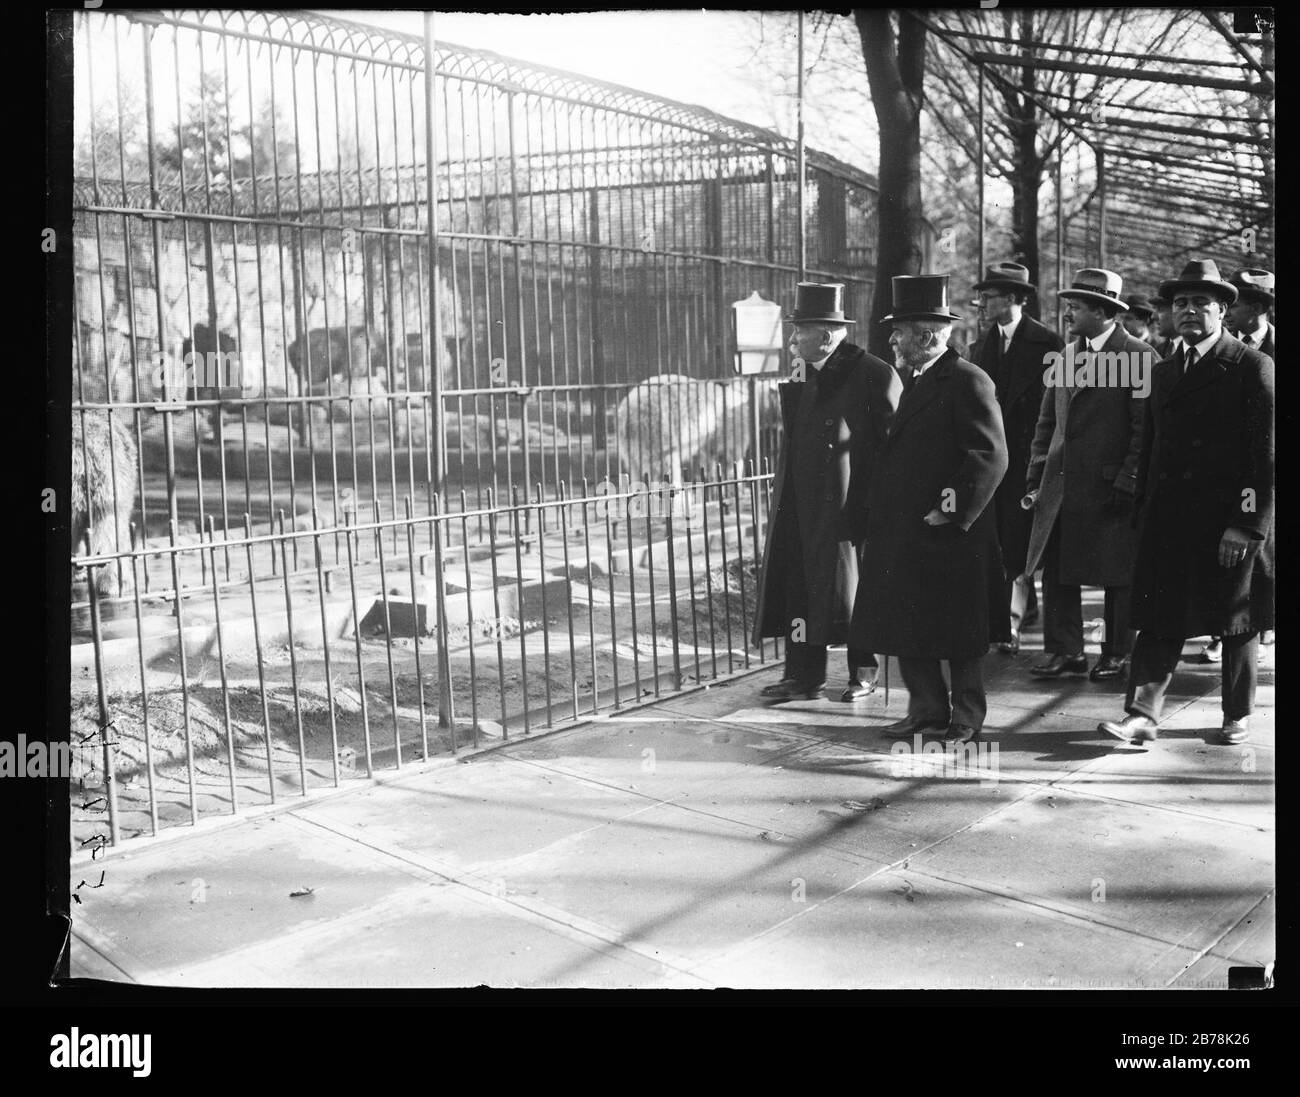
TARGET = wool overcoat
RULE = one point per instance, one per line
(1086, 445)
(833, 423)
(936, 592)
(1018, 374)
(1206, 464)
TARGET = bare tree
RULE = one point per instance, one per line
(895, 62)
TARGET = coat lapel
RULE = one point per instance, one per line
(925, 390)
(1026, 366)
(1207, 370)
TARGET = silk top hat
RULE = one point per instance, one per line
(1254, 285)
(819, 302)
(921, 297)
(1140, 306)
(1004, 276)
(1100, 287)
(1203, 275)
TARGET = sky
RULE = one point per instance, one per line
(692, 56)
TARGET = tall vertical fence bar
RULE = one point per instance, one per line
(267, 573)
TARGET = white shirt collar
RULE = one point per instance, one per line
(922, 368)
(1008, 330)
(821, 362)
(1258, 334)
(1099, 341)
(1204, 346)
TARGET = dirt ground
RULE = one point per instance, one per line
(507, 678)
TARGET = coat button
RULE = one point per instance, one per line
(1187, 475)
(830, 422)
(830, 445)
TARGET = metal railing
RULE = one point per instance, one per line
(247, 693)
(287, 205)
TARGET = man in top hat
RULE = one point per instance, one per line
(1082, 472)
(1248, 316)
(933, 584)
(1165, 335)
(1138, 316)
(1012, 353)
(1205, 504)
(835, 413)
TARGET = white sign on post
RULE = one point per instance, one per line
(758, 335)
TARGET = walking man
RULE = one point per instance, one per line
(835, 414)
(1205, 486)
(933, 585)
(1083, 473)
(1012, 354)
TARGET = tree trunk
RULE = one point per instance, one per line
(896, 75)
(1025, 184)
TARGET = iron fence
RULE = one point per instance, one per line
(257, 419)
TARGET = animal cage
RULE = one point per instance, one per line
(256, 411)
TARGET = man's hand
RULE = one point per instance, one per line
(936, 517)
(1233, 546)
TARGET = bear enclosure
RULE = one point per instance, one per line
(306, 548)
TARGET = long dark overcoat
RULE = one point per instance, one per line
(1018, 374)
(936, 592)
(818, 503)
(1206, 464)
(1086, 445)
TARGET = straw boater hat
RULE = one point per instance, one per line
(819, 302)
(1098, 286)
(1254, 285)
(921, 297)
(1200, 274)
(1141, 306)
(1004, 276)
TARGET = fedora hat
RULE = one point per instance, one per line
(1141, 306)
(1101, 287)
(921, 297)
(1004, 276)
(1200, 274)
(819, 302)
(1254, 285)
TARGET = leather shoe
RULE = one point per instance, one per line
(1108, 666)
(788, 689)
(1057, 665)
(907, 727)
(1268, 638)
(1010, 647)
(857, 689)
(1235, 731)
(960, 733)
(1212, 652)
(1134, 728)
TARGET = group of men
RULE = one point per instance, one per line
(913, 504)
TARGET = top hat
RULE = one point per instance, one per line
(1101, 287)
(1254, 285)
(1004, 276)
(1200, 274)
(921, 297)
(1141, 306)
(819, 302)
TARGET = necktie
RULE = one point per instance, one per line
(1249, 340)
(1190, 360)
(1006, 342)
(909, 381)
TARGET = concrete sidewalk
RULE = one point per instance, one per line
(710, 841)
